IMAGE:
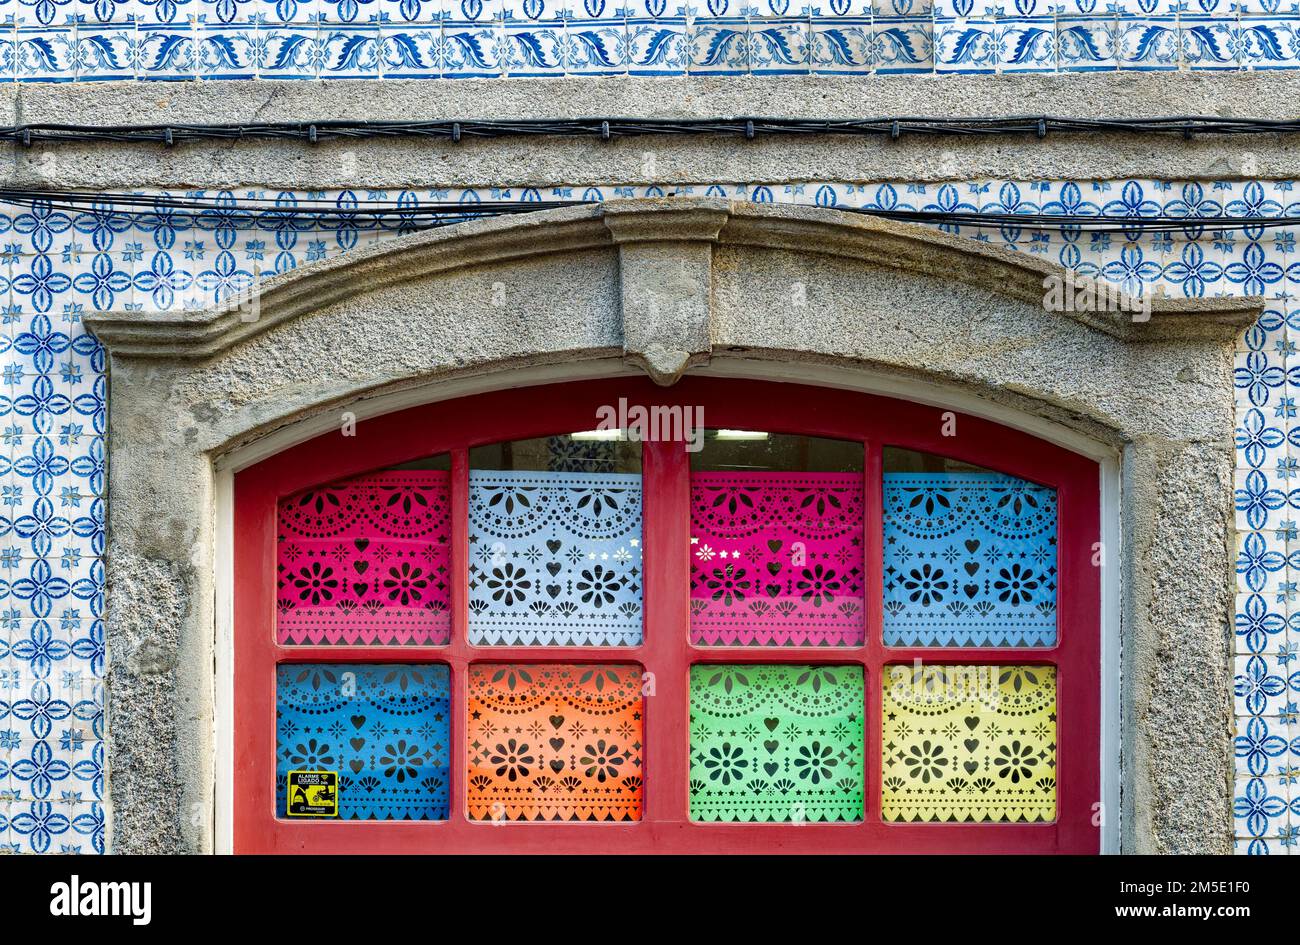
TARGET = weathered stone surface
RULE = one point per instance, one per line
(1176, 683)
(544, 163)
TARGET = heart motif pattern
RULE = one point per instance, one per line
(366, 561)
(777, 559)
(970, 560)
(384, 728)
(776, 743)
(554, 742)
(969, 744)
(555, 558)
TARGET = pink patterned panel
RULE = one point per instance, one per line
(776, 559)
(366, 561)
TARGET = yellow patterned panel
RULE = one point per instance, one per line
(969, 744)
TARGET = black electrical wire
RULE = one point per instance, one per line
(227, 211)
(227, 203)
(606, 129)
(1158, 223)
(251, 212)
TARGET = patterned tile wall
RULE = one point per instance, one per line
(90, 40)
(56, 266)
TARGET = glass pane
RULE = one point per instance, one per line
(776, 541)
(969, 744)
(555, 542)
(776, 743)
(366, 561)
(552, 742)
(375, 735)
(970, 555)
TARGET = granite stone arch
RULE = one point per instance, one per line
(669, 286)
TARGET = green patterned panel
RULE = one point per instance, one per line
(776, 743)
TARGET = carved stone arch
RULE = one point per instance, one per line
(668, 286)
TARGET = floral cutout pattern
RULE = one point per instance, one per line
(384, 728)
(776, 743)
(969, 744)
(970, 560)
(776, 559)
(366, 561)
(555, 558)
(555, 742)
(565, 454)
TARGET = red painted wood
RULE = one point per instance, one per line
(457, 653)
(666, 524)
(873, 656)
(454, 426)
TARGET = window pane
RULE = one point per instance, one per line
(970, 555)
(776, 743)
(555, 543)
(366, 561)
(776, 541)
(381, 730)
(969, 744)
(552, 742)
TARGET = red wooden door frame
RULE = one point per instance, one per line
(456, 425)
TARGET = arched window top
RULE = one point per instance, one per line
(606, 606)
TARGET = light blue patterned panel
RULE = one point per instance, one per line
(555, 558)
(970, 560)
(383, 728)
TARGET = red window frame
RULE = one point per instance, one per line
(455, 426)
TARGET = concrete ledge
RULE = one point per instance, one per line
(1261, 94)
(543, 162)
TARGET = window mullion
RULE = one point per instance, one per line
(667, 614)
(873, 650)
(459, 651)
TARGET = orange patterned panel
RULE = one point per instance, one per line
(555, 742)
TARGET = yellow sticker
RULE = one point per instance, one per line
(313, 794)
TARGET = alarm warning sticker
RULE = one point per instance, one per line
(313, 794)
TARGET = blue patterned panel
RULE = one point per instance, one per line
(970, 560)
(384, 729)
(555, 558)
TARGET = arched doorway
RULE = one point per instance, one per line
(691, 289)
(771, 617)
